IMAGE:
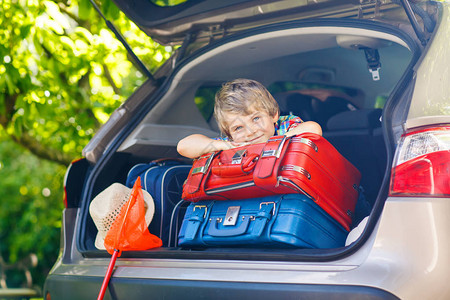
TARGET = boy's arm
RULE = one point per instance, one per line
(195, 145)
(308, 126)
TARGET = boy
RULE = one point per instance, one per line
(246, 114)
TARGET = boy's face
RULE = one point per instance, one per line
(257, 127)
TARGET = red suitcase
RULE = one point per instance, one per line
(306, 164)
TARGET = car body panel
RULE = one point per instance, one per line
(185, 289)
(381, 263)
(430, 102)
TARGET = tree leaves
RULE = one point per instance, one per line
(64, 58)
(62, 73)
(32, 203)
(84, 9)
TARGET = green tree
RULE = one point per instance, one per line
(62, 73)
(30, 210)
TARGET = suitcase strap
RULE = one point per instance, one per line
(265, 213)
(272, 151)
(199, 169)
(198, 216)
(262, 217)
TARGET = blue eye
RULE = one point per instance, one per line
(255, 119)
(238, 128)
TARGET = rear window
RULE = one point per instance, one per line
(319, 97)
(168, 2)
(204, 99)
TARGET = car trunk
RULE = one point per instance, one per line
(325, 62)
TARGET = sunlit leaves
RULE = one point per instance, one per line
(56, 16)
(65, 62)
(62, 73)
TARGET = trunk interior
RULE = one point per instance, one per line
(316, 70)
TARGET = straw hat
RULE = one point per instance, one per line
(106, 206)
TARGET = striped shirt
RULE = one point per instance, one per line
(286, 123)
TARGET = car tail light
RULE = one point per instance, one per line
(65, 184)
(422, 164)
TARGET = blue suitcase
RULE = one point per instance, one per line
(292, 220)
(164, 182)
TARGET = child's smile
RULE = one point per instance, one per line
(257, 127)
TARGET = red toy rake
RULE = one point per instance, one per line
(128, 232)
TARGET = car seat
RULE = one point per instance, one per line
(296, 104)
(352, 134)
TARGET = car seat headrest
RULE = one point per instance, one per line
(296, 104)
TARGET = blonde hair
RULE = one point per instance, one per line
(239, 96)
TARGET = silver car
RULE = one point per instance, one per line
(375, 75)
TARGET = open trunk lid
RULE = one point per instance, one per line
(209, 20)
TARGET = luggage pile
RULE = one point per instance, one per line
(288, 192)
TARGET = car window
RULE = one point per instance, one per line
(315, 102)
(284, 92)
(319, 91)
(167, 2)
(204, 99)
(380, 101)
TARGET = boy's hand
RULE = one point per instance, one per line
(239, 144)
(308, 126)
(290, 133)
(225, 145)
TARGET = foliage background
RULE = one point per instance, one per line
(62, 73)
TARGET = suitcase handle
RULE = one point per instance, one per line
(265, 213)
(236, 170)
(241, 229)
